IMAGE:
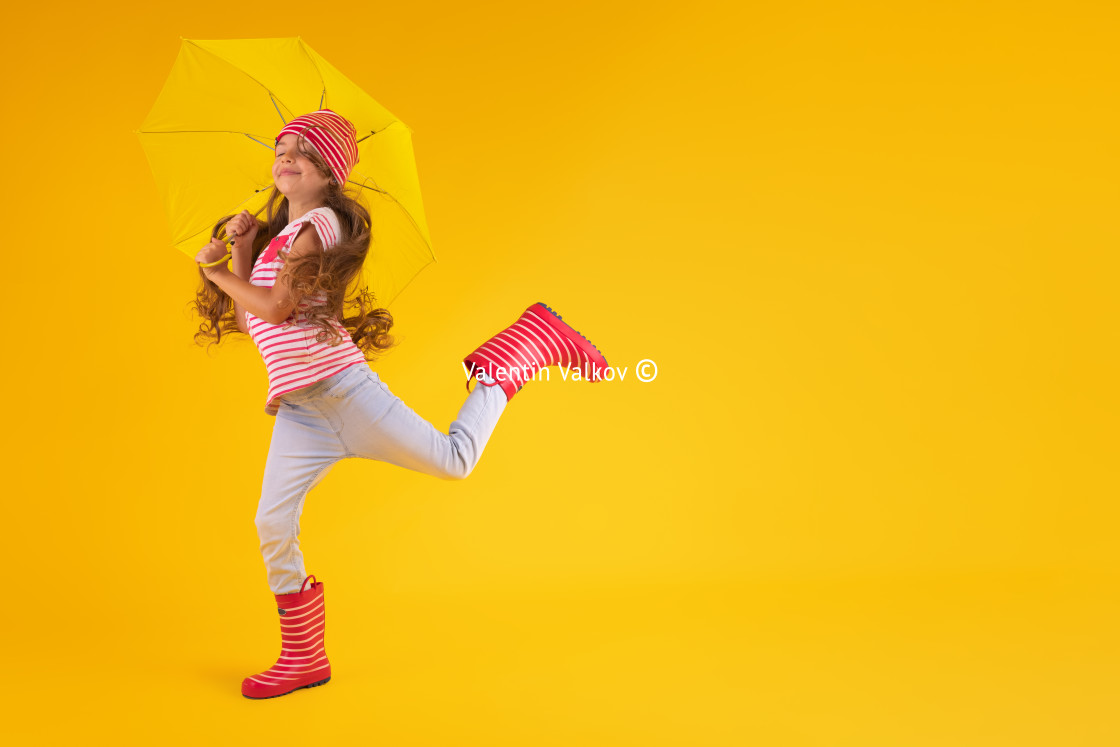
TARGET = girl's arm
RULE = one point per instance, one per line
(274, 304)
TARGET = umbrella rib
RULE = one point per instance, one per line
(403, 209)
(374, 132)
(363, 186)
(403, 287)
(318, 72)
(274, 104)
(246, 134)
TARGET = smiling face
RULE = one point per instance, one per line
(295, 174)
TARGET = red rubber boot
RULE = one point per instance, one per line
(303, 655)
(538, 339)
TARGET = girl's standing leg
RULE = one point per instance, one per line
(304, 447)
(376, 424)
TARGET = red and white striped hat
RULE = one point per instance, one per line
(332, 136)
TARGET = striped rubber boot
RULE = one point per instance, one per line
(538, 339)
(303, 655)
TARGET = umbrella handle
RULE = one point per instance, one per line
(226, 258)
(228, 255)
(229, 252)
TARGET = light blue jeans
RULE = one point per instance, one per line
(353, 414)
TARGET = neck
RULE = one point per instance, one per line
(298, 208)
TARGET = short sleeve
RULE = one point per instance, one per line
(326, 225)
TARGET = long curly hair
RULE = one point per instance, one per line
(322, 278)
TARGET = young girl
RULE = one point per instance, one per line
(287, 287)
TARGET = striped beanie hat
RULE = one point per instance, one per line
(332, 136)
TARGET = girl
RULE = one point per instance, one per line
(287, 288)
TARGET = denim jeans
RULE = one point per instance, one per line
(353, 414)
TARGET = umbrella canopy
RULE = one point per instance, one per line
(209, 139)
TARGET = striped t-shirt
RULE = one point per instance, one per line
(291, 354)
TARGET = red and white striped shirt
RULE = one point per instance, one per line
(291, 355)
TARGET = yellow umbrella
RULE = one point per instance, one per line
(210, 135)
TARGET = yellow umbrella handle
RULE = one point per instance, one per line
(229, 252)
(226, 258)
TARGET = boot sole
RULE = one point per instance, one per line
(563, 327)
(280, 695)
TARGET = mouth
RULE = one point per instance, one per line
(287, 173)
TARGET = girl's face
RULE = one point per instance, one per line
(296, 176)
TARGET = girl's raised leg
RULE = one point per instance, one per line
(377, 424)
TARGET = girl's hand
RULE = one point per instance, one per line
(212, 252)
(243, 227)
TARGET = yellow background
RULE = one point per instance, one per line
(869, 500)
